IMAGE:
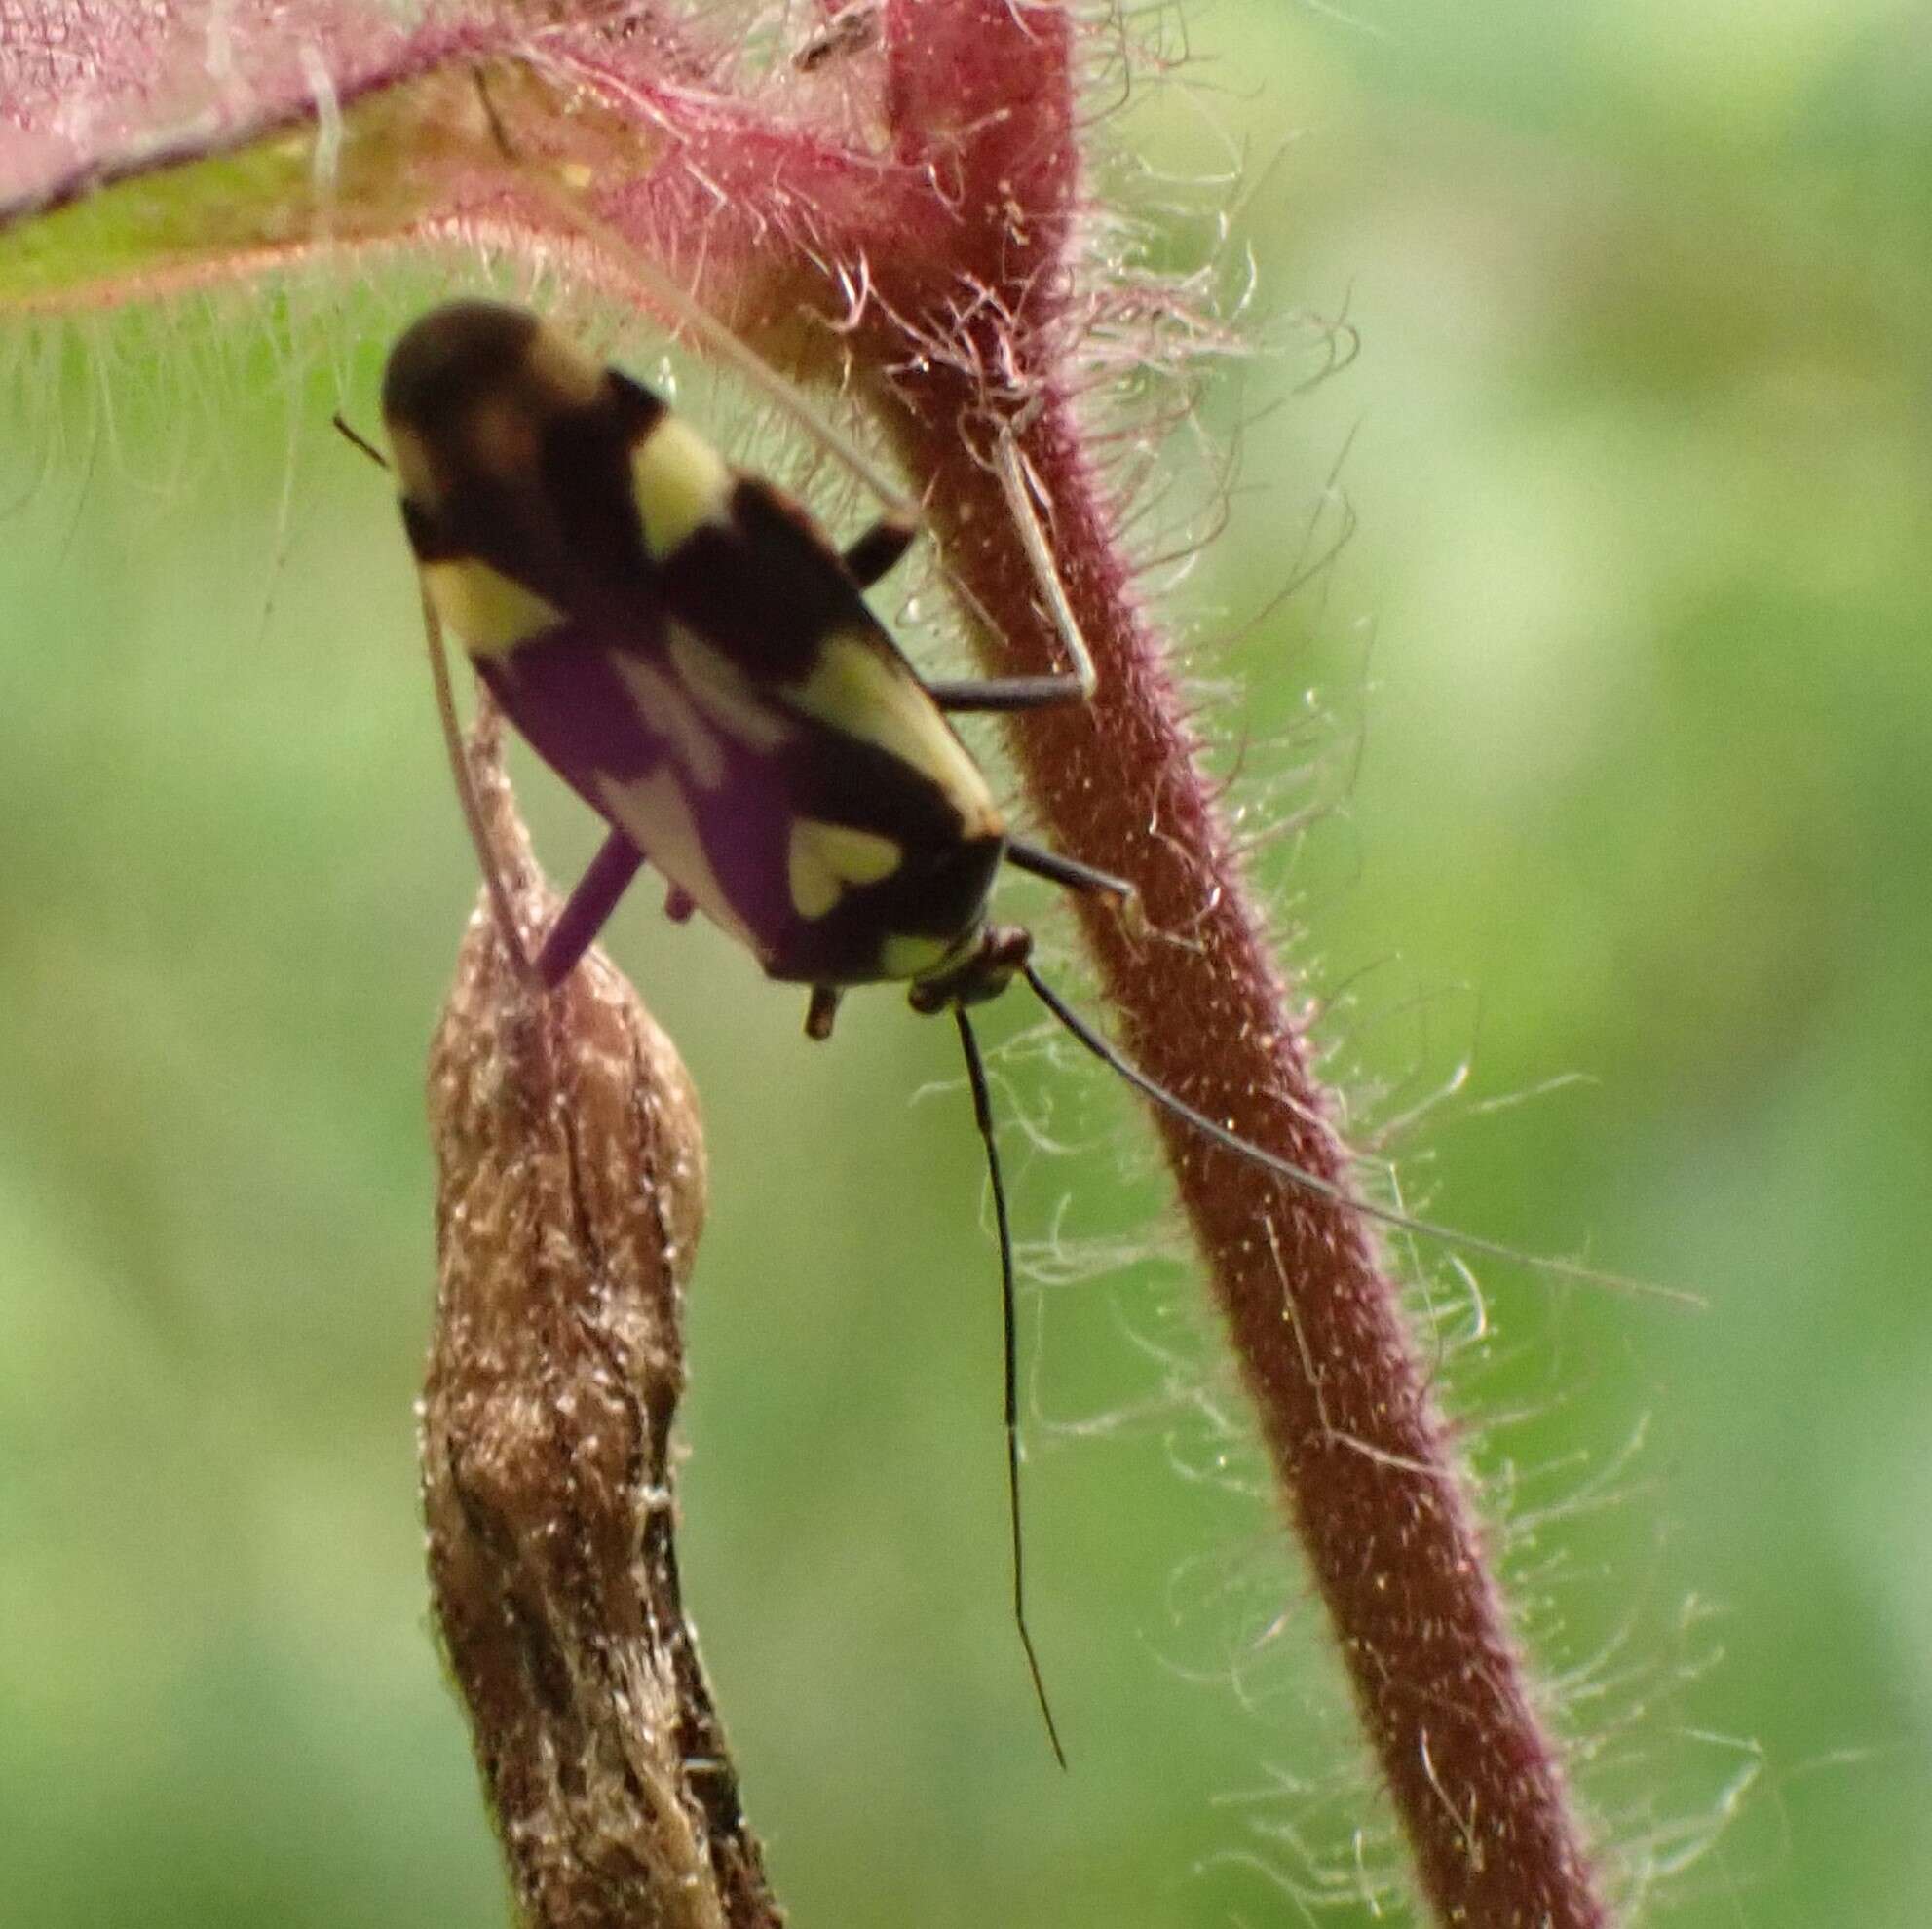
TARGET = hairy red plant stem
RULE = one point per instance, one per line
(1360, 1452)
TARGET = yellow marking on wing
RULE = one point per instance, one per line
(724, 693)
(490, 611)
(654, 813)
(857, 688)
(915, 957)
(822, 859)
(681, 482)
(672, 713)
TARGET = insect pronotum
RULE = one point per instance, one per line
(687, 651)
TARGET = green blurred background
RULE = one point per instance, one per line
(1606, 750)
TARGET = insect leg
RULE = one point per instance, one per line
(1008, 692)
(589, 908)
(875, 552)
(982, 1111)
(1022, 491)
(1066, 871)
(822, 1012)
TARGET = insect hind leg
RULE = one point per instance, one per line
(616, 862)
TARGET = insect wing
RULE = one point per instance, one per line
(832, 859)
(756, 584)
(614, 721)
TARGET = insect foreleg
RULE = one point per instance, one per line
(1007, 694)
(589, 908)
(1069, 872)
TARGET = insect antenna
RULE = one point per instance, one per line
(1110, 1055)
(466, 793)
(458, 762)
(356, 441)
(982, 1111)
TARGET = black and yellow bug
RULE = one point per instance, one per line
(685, 648)
(681, 643)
